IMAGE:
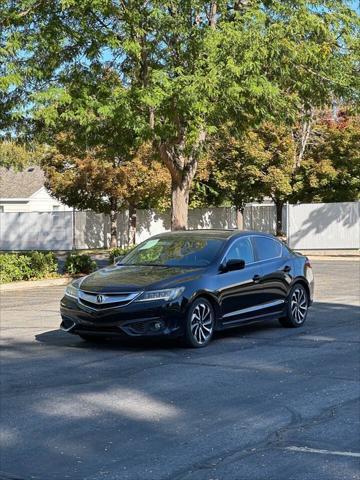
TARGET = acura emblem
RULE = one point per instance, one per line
(100, 299)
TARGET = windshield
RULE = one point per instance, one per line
(177, 251)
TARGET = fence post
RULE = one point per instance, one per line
(240, 219)
(73, 230)
(288, 223)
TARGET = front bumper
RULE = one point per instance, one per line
(136, 319)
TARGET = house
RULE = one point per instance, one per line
(24, 191)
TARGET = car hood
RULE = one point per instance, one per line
(128, 278)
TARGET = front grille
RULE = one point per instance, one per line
(103, 306)
(102, 301)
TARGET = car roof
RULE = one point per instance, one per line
(222, 234)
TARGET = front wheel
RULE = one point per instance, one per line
(200, 323)
(297, 308)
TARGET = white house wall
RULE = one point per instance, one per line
(40, 201)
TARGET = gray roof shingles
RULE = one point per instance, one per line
(21, 184)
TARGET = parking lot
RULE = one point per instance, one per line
(259, 403)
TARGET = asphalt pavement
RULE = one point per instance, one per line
(259, 403)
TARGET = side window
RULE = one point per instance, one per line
(241, 250)
(267, 248)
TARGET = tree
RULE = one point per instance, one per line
(94, 181)
(17, 156)
(255, 165)
(330, 171)
(99, 160)
(187, 66)
(276, 161)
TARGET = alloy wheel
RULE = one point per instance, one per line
(202, 323)
(299, 305)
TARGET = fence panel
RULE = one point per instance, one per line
(260, 217)
(150, 222)
(92, 230)
(36, 231)
(311, 226)
(324, 226)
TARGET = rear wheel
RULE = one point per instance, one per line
(297, 308)
(199, 324)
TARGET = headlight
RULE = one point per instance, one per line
(72, 291)
(168, 294)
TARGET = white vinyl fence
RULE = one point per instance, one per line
(58, 230)
(310, 226)
(324, 226)
(36, 231)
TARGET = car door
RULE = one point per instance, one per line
(277, 271)
(239, 291)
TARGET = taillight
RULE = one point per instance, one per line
(307, 263)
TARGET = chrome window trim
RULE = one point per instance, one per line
(257, 261)
(254, 308)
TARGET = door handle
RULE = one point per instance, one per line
(256, 278)
(286, 269)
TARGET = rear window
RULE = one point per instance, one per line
(267, 248)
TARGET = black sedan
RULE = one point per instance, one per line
(189, 284)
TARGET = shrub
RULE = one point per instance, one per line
(43, 264)
(14, 267)
(118, 252)
(77, 264)
(32, 265)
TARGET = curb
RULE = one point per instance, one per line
(335, 258)
(27, 284)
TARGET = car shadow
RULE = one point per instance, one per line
(322, 313)
(58, 338)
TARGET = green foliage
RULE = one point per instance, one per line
(44, 264)
(330, 171)
(116, 74)
(17, 156)
(28, 266)
(14, 267)
(118, 252)
(79, 264)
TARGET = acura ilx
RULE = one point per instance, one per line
(190, 284)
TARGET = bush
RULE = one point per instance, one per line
(44, 264)
(27, 266)
(78, 264)
(118, 252)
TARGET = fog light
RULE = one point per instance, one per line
(157, 326)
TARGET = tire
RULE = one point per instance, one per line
(297, 307)
(200, 323)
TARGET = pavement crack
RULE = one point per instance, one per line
(274, 439)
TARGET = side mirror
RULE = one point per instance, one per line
(118, 259)
(233, 264)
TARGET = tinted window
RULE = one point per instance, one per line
(267, 248)
(241, 250)
(181, 251)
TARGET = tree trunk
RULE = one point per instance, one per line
(132, 225)
(113, 229)
(279, 228)
(182, 169)
(179, 205)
